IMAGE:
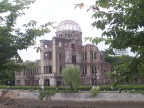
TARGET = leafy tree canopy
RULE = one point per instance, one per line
(13, 39)
(120, 72)
(122, 24)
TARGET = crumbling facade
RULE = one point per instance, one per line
(66, 49)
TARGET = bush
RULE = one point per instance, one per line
(105, 87)
(123, 87)
(85, 88)
(95, 91)
(46, 94)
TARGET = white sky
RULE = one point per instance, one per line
(58, 10)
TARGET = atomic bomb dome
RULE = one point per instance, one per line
(68, 25)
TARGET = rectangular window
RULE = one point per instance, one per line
(24, 71)
(60, 35)
(47, 69)
(60, 56)
(84, 69)
(73, 58)
(60, 69)
(46, 46)
(93, 81)
(73, 46)
(84, 56)
(60, 44)
(94, 69)
(45, 55)
(49, 55)
(93, 55)
(50, 69)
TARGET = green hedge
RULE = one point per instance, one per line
(130, 87)
(85, 88)
(123, 87)
(82, 88)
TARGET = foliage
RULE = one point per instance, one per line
(122, 87)
(120, 73)
(95, 91)
(71, 76)
(12, 38)
(121, 22)
(7, 76)
(29, 65)
(46, 94)
(84, 88)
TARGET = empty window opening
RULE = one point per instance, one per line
(46, 82)
(58, 83)
(60, 69)
(50, 69)
(94, 55)
(93, 81)
(84, 69)
(45, 55)
(84, 56)
(46, 46)
(73, 58)
(60, 35)
(73, 46)
(49, 55)
(94, 69)
(60, 56)
(47, 69)
(60, 44)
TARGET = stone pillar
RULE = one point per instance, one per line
(41, 81)
(22, 82)
(52, 82)
(41, 73)
(54, 68)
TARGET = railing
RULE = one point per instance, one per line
(50, 75)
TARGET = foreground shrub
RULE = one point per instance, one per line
(95, 91)
(46, 94)
(71, 77)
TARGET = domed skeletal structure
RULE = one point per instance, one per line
(68, 25)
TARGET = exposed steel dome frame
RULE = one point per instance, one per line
(68, 25)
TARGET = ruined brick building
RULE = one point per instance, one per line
(63, 50)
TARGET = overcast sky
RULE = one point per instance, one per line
(58, 10)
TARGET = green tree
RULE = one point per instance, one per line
(120, 71)
(71, 76)
(12, 38)
(121, 22)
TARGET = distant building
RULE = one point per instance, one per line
(120, 52)
(63, 50)
(29, 75)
